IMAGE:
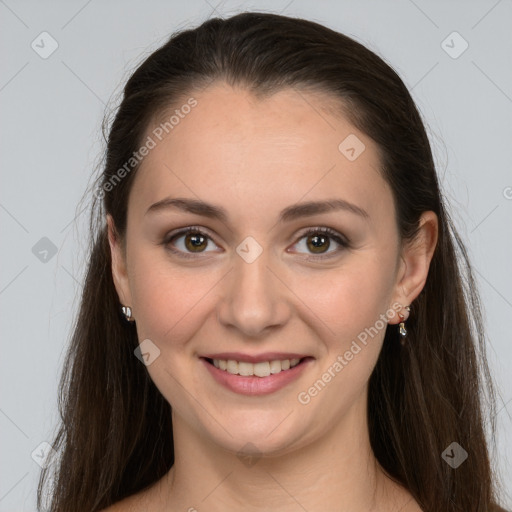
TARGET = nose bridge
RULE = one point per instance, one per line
(253, 300)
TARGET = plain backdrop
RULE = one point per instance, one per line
(52, 105)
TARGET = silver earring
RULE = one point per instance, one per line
(127, 312)
(401, 327)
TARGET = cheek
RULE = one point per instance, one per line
(168, 302)
(170, 305)
(352, 304)
(348, 299)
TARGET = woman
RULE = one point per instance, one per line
(274, 316)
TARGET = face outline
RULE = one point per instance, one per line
(240, 153)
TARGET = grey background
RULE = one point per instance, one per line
(51, 110)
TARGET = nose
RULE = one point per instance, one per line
(254, 300)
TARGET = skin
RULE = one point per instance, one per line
(242, 153)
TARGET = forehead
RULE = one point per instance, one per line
(232, 148)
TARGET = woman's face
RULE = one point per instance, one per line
(252, 285)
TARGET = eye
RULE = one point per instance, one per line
(188, 242)
(318, 242)
(193, 241)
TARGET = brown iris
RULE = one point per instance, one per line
(318, 243)
(195, 242)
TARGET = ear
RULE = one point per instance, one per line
(415, 261)
(119, 271)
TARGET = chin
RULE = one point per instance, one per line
(255, 435)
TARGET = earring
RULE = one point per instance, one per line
(401, 328)
(127, 312)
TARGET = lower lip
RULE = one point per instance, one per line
(253, 385)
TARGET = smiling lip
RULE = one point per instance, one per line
(253, 385)
(267, 356)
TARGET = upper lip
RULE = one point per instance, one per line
(267, 356)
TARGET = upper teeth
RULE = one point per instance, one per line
(263, 369)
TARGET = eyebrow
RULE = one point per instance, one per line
(290, 213)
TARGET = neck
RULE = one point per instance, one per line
(337, 472)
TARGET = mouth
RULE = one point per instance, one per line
(259, 369)
(261, 376)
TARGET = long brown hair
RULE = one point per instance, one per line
(116, 433)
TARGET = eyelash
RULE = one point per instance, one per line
(334, 235)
